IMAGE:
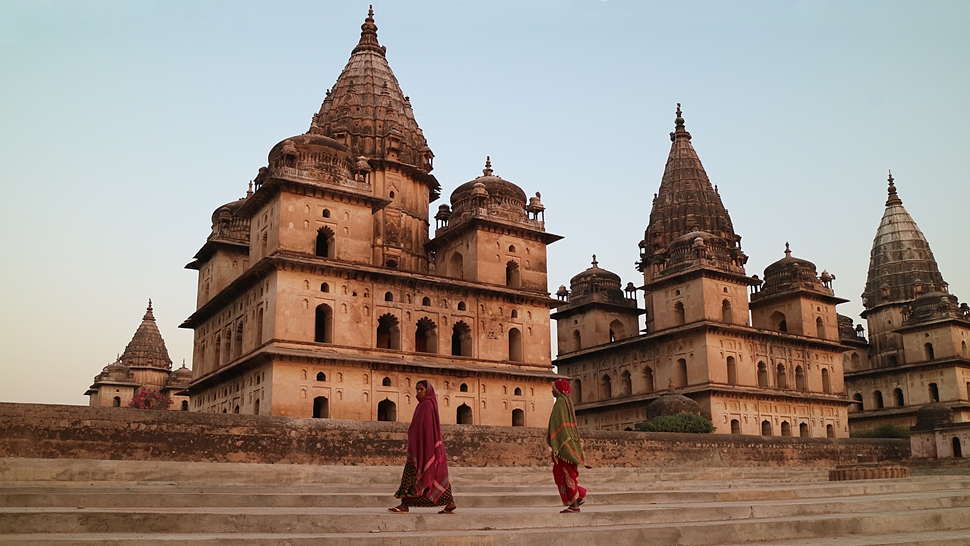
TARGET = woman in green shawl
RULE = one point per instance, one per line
(567, 450)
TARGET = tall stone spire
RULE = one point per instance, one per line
(901, 264)
(367, 111)
(686, 201)
(147, 348)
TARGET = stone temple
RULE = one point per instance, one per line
(325, 293)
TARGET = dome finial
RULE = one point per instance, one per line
(249, 192)
(679, 130)
(787, 250)
(893, 198)
(488, 166)
(595, 263)
(148, 313)
(368, 35)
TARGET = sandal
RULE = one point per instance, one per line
(398, 510)
(450, 509)
(580, 502)
(570, 510)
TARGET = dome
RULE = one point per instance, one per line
(594, 274)
(672, 404)
(147, 348)
(932, 306)
(180, 377)
(595, 284)
(227, 211)
(790, 273)
(310, 156)
(503, 199)
(116, 371)
(932, 415)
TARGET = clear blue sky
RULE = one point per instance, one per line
(124, 124)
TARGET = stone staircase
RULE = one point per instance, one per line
(60, 502)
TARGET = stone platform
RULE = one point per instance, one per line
(59, 502)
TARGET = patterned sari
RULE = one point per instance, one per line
(567, 450)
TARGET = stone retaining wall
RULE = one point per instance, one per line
(79, 432)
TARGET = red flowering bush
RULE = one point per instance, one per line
(150, 400)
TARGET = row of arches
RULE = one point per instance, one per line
(227, 345)
(767, 429)
(387, 411)
(388, 334)
(897, 398)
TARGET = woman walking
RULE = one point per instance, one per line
(425, 479)
(567, 450)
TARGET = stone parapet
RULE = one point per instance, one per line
(79, 432)
(868, 471)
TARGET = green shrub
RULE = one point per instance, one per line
(683, 422)
(888, 430)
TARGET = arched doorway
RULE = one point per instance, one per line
(321, 407)
(426, 336)
(461, 339)
(464, 415)
(388, 332)
(957, 448)
(386, 410)
(515, 345)
(518, 418)
(323, 331)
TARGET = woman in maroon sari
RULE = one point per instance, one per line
(425, 479)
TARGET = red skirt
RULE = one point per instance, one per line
(566, 475)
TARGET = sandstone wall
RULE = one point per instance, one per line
(79, 432)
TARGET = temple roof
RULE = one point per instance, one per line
(686, 200)
(147, 348)
(367, 104)
(901, 264)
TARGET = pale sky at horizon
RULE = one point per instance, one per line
(124, 124)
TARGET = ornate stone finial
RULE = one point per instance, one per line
(595, 263)
(183, 363)
(488, 166)
(893, 198)
(249, 192)
(787, 250)
(148, 313)
(679, 130)
(368, 35)
(370, 11)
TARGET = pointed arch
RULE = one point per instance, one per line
(324, 246)
(426, 336)
(323, 325)
(461, 339)
(388, 332)
(512, 274)
(515, 345)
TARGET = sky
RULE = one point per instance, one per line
(124, 124)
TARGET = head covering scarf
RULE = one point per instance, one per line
(563, 431)
(426, 450)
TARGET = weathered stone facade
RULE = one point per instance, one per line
(918, 332)
(321, 294)
(780, 374)
(144, 365)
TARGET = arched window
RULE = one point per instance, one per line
(803, 430)
(517, 391)
(321, 376)
(732, 371)
(820, 327)
(218, 350)
(388, 296)
(426, 336)
(461, 339)
(463, 387)
(964, 348)
(426, 301)
(957, 448)
(518, 418)
(512, 274)
(648, 384)
(461, 306)
(893, 361)
(858, 402)
(577, 391)
(185, 406)
(762, 374)
(464, 415)
(726, 314)
(388, 332)
(515, 345)
(239, 337)
(256, 407)
(898, 398)
(781, 379)
(606, 388)
(326, 213)
(511, 248)
(829, 431)
(228, 352)
(577, 340)
(259, 327)
(934, 393)
(626, 384)
(826, 381)
(785, 428)
(386, 382)
(856, 361)
(456, 266)
(321, 407)
(766, 428)
(877, 400)
(386, 410)
(928, 351)
(324, 245)
(116, 402)
(800, 382)
(617, 331)
(323, 331)
(679, 316)
(680, 373)
(735, 426)
(777, 322)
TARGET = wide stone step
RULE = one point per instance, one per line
(349, 520)
(767, 530)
